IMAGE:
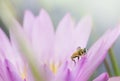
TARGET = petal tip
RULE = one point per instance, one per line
(43, 12)
(67, 16)
(28, 13)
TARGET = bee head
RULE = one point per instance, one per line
(85, 50)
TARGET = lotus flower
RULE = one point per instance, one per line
(53, 49)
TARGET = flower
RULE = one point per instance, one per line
(53, 49)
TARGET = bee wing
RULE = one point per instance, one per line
(78, 48)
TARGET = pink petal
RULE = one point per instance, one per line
(4, 42)
(8, 72)
(115, 33)
(46, 73)
(78, 66)
(65, 76)
(29, 76)
(5, 47)
(62, 68)
(102, 77)
(28, 23)
(64, 38)
(43, 36)
(114, 79)
(17, 35)
(82, 32)
(11, 72)
(97, 53)
(3, 74)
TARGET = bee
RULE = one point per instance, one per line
(79, 52)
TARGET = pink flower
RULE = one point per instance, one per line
(53, 49)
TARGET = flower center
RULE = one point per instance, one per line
(24, 74)
(54, 67)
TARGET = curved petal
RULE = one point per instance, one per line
(28, 22)
(4, 42)
(7, 51)
(8, 72)
(12, 72)
(3, 74)
(82, 32)
(62, 68)
(64, 38)
(102, 77)
(78, 66)
(114, 79)
(97, 53)
(43, 36)
(115, 33)
(46, 73)
(65, 76)
(28, 76)
(5, 47)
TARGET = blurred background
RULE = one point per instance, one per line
(105, 14)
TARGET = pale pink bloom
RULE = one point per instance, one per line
(53, 49)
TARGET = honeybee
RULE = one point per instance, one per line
(79, 52)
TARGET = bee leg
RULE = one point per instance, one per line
(73, 60)
(84, 54)
(78, 57)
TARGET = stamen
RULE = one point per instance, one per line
(53, 67)
(24, 74)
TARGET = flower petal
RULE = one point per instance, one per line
(46, 73)
(78, 66)
(102, 77)
(97, 53)
(63, 73)
(28, 22)
(3, 74)
(8, 72)
(12, 73)
(115, 33)
(64, 38)
(29, 76)
(43, 36)
(5, 47)
(4, 42)
(114, 79)
(62, 68)
(82, 32)
(65, 76)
